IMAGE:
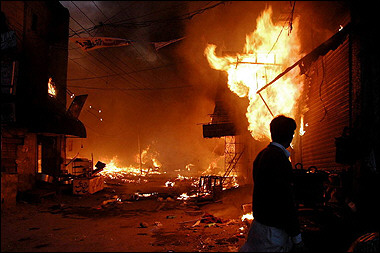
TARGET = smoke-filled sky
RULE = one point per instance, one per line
(162, 98)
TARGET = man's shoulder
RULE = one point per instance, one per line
(268, 153)
(271, 155)
(271, 149)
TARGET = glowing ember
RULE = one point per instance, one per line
(183, 196)
(169, 184)
(248, 216)
(267, 53)
(181, 178)
(188, 167)
(156, 163)
(146, 195)
(231, 182)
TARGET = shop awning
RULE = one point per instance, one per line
(51, 118)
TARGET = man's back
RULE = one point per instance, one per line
(272, 201)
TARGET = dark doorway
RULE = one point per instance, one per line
(48, 155)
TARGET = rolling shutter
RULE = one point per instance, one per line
(328, 104)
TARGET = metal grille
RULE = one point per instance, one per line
(328, 104)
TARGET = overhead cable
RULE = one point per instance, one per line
(127, 23)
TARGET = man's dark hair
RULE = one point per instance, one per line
(282, 129)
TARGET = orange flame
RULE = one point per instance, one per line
(151, 165)
(267, 53)
(248, 216)
(51, 88)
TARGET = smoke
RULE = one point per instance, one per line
(169, 120)
(165, 119)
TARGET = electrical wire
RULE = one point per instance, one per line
(132, 89)
(115, 57)
(125, 23)
(106, 80)
(88, 30)
(135, 88)
(288, 19)
(144, 58)
(91, 54)
(119, 74)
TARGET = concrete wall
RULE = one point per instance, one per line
(8, 190)
(27, 162)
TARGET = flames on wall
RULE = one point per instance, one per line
(267, 52)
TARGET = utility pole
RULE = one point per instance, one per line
(139, 147)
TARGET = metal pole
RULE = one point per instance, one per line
(266, 105)
(139, 147)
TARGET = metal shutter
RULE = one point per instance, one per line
(328, 103)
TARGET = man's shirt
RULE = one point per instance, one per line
(273, 198)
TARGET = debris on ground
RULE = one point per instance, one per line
(157, 224)
(209, 218)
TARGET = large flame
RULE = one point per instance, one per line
(268, 51)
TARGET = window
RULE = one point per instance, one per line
(52, 90)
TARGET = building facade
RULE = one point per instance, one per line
(34, 119)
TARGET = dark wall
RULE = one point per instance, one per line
(42, 41)
(45, 49)
(367, 121)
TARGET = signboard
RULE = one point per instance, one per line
(88, 185)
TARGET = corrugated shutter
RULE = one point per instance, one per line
(328, 105)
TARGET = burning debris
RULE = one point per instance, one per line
(182, 187)
(148, 165)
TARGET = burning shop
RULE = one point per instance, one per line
(322, 86)
(312, 61)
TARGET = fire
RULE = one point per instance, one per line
(51, 88)
(267, 53)
(148, 157)
(169, 183)
(150, 164)
(302, 131)
(183, 196)
(114, 171)
(188, 166)
(248, 216)
(156, 163)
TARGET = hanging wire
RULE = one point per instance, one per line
(146, 61)
(125, 23)
(120, 74)
(133, 89)
(289, 20)
(106, 65)
(118, 58)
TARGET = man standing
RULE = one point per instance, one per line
(276, 225)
